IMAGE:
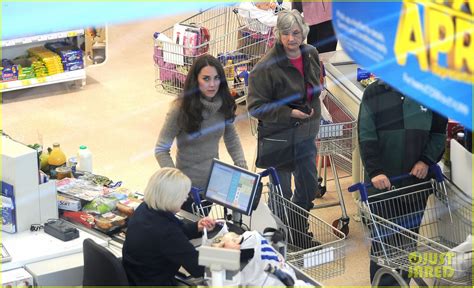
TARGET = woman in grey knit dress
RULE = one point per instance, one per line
(198, 119)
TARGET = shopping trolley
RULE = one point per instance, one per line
(237, 41)
(313, 246)
(335, 143)
(405, 227)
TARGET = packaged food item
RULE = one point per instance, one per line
(80, 217)
(56, 159)
(84, 159)
(68, 203)
(63, 172)
(101, 205)
(109, 221)
(365, 77)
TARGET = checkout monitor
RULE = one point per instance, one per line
(232, 187)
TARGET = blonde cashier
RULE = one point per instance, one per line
(157, 243)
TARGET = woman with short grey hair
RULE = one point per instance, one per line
(286, 20)
(157, 243)
(283, 95)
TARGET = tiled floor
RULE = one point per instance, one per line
(118, 114)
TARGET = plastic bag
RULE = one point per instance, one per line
(264, 254)
(101, 205)
(208, 242)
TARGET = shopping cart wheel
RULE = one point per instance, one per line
(341, 224)
(321, 191)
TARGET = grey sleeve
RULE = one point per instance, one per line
(233, 145)
(168, 133)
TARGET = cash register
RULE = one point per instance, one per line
(233, 188)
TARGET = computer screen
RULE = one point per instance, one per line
(232, 187)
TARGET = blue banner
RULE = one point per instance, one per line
(422, 48)
(26, 18)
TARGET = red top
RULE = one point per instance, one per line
(298, 63)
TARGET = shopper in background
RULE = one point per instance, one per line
(318, 15)
(157, 243)
(283, 94)
(198, 119)
(397, 136)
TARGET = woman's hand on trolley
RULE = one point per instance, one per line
(207, 223)
(420, 170)
(381, 182)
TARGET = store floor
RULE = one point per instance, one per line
(118, 115)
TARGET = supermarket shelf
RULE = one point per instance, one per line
(41, 81)
(40, 38)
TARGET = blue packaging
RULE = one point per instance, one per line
(362, 74)
(8, 209)
(72, 66)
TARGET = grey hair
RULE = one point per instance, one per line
(286, 19)
(167, 190)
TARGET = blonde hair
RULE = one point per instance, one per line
(286, 19)
(167, 189)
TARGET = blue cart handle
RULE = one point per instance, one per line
(195, 195)
(272, 172)
(362, 187)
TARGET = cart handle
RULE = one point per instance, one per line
(362, 187)
(272, 172)
(195, 195)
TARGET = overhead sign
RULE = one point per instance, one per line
(26, 18)
(423, 48)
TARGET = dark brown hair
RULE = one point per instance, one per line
(190, 118)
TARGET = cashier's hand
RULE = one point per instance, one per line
(381, 182)
(295, 113)
(419, 170)
(207, 222)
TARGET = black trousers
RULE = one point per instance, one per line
(323, 37)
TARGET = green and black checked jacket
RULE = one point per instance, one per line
(395, 132)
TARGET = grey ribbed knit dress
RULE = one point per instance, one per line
(196, 151)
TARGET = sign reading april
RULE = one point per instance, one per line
(423, 48)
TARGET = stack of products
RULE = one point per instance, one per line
(50, 59)
(71, 57)
(38, 67)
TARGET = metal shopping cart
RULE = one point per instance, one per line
(335, 142)
(222, 31)
(313, 246)
(405, 226)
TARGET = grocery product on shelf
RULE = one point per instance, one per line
(9, 71)
(51, 60)
(71, 57)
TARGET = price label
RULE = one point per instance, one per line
(2, 86)
(26, 82)
(72, 34)
(41, 79)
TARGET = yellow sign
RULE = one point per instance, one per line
(441, 29)
(431, 265)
